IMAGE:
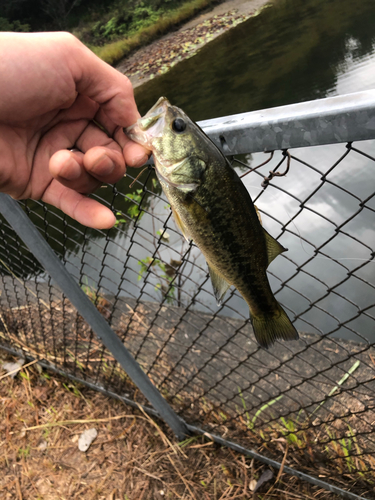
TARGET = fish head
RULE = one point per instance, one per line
(180, 148)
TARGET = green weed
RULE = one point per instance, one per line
(89, 290)
(339, 383)
(24, 452)
(251, 421)
(78, 363)
(291, 433)
(164, 272)
(146, 26)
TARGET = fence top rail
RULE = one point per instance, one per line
(346, 118)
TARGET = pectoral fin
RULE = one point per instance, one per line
(219, 284)
(273, 247)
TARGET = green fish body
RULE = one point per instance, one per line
(213, 208)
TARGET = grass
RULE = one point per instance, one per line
(113, 52)
(342, 450)
(132, 458)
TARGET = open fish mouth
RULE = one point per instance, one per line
(151, 125)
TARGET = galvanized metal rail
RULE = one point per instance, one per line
(346, 118)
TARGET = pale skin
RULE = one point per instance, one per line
(53, 94)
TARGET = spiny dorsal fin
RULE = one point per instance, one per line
(219, 284)
(273, 247)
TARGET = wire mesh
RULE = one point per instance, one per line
(315, 395)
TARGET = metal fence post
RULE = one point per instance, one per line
(26, 230)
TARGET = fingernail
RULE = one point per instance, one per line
(138, 161)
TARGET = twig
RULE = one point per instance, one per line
(74, 422)
(201, 445)
(138, 176)
(148, 474)
(18, 488)
(280, 471)
(162, 435)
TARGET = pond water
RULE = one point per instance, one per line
(294, 51)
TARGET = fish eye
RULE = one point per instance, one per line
(179, 125)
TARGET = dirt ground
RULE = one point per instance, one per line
(43, 415)
(158, 57)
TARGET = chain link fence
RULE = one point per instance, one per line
(312, 400)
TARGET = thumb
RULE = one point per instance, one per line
(103, 84)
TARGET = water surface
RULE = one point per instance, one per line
(294, 51)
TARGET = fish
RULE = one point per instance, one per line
(212, 207)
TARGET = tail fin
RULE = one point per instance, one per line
(268, 329)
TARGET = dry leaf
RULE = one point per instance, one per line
(86, 438)
(13, 368)
(253, 484)
(42, 446)
(267, 475)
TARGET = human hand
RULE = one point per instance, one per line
(53, 93)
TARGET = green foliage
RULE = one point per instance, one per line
(149, 20)
(165, 273)
(250, 422)
(90, 290)
(24, 452)
(124, 19)
(291, 432)
(73, 389)
(6, 25)
(134, 211)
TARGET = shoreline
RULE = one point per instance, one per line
(160, 56)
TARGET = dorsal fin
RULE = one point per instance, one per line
(274, 248)
(219, 284)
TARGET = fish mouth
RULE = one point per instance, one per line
(149, 126)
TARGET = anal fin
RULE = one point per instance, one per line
(219, 284)
(274, 248)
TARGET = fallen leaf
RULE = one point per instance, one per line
(13, 368)
(266, 476)
(86, 438)
(42, 446)
(253, 484)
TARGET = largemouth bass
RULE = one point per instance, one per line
(212, 207)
